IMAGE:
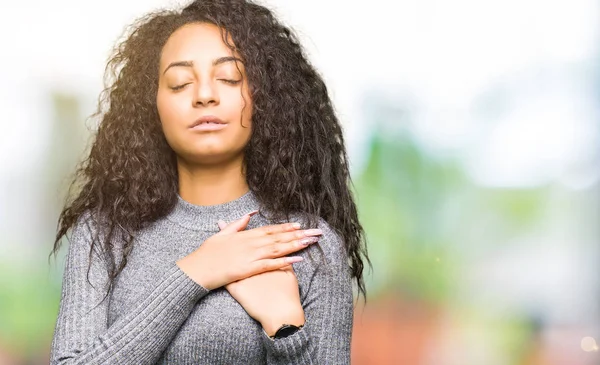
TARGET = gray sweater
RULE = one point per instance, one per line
(156, 314)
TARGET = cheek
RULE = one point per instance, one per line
(165, 109)
(170, 111)
(170, 116)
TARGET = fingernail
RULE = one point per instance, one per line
(253, 213)
(313, 232)
(292, 259)
(296, 225)
(308, 241)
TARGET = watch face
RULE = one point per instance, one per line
(286, 330)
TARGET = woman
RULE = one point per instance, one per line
(213, 115)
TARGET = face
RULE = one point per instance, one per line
(203, 99)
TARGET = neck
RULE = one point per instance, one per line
(211, 184)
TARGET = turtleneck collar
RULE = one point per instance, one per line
(205, 217)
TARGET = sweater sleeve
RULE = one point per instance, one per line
(328, 309)
(82, 334)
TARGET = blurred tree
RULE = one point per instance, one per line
(30, 290)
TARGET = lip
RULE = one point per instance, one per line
(208, 123)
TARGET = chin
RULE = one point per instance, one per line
(212, 157)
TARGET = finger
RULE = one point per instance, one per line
(222, 224)
(236, 225)
(274, 229)
(239, 224)
(282, 249)
(285, 237)
(288, 268)
(261, 266)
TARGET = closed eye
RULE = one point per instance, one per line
(178, 87)
(231, 82)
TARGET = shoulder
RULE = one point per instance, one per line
(83, 231)
(88, 236)
(87, 224)
(87, 228)
(332, 243)
(331, 247)
(326, 265)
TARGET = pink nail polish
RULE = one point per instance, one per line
(308, 241)
(293, 259)
(253, 213)
(313, 232)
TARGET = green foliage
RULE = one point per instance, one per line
(423, 217)
(29, 299)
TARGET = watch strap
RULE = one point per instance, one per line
(286, 330)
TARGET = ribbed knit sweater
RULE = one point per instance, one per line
(156, 314)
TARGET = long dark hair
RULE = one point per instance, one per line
(295, 160)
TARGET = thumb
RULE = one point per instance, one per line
(237, 225)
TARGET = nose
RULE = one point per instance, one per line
(206, 94)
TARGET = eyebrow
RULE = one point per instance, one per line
(215, 62)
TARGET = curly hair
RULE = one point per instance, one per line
(295, 161)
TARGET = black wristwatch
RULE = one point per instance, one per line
(285, 331)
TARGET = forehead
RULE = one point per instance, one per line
(196, 41)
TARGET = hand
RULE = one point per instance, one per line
(271, 298)
(234, 253)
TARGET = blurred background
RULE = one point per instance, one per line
(473, 129)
